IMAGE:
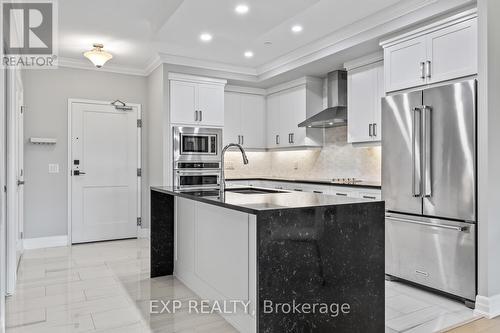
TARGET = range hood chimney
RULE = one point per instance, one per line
(336, 112)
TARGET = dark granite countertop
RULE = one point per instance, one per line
(361, 184)
(256, 203)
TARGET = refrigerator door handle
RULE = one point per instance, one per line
(427, 150)
(416, 153)
(428, 224)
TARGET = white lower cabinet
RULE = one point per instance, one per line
(215, 255)
(341, 191)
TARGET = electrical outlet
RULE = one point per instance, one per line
(53, 168)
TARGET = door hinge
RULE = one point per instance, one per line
(139, 123)
(139, 221)
(139, 172)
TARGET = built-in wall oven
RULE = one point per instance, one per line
(197, 158)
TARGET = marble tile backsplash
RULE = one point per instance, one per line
(337, 159)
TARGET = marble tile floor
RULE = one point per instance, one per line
(105, 287)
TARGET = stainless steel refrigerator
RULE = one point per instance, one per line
(429, 186)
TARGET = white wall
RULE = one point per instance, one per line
(488, 300)
(46, 94)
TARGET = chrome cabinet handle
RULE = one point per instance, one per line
(416, 153)
(239, 139)
(428, 224)
(318, 192)
(370, 130)
(289, 140)
(428, 68)
(195, 115)
(374, 129)
(341, 194)
(293, 137)
(201, 115)
(427, 151)
(242, 139)
(277, 139)
(422, 70)
(369, 197)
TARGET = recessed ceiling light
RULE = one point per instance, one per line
(297, 28)
(206, 37)
(241, 9)
(248, 54)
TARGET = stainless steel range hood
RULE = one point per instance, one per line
(336, 112)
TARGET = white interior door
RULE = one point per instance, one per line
(105, 153)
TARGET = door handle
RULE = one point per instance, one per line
(277, 139)
(201, 115)
(195, 115)
(242, 139)
(428, 224)
(427, 151)
(239, 139)
(428, 68)
(291, 136)
(416, 181)
(374, 129)
(422, 70)
(78, 173)
(370, 130)
(341, 194)
(20, 182)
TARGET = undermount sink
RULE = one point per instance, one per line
(252, 190)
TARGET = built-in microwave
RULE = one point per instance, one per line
(196, 143)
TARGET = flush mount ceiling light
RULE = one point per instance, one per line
(206, 37)
(297, 28)
(248, 54)
(241, 9)
(98, 56)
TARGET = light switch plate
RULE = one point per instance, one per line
(53, 168)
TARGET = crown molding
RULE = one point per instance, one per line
(364, 61)
(245, 90)
(206, 64)
(110, 68)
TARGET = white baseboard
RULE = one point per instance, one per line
(43, 242)
(488, 307)
(143, 233)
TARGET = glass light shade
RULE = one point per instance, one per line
(98, 56)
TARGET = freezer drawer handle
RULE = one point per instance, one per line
(443, 226)
(421, 273)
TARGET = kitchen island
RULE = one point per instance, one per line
(306, 262)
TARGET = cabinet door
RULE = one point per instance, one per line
(362, 94)
(232, 117)
(184, 236)
(211, 104)
(183, 102)
(377, 114)
(292, 112)
(253, 121)
(452, 52)
(273, 121)
(403, 64)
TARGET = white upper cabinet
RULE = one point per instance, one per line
(244, 119)
(253, 121)
(452, 52)
(232, 117)
(196, 101)
(273, 121)
(443, 51)
(404, 64)
(287, 106)
(365, 89)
